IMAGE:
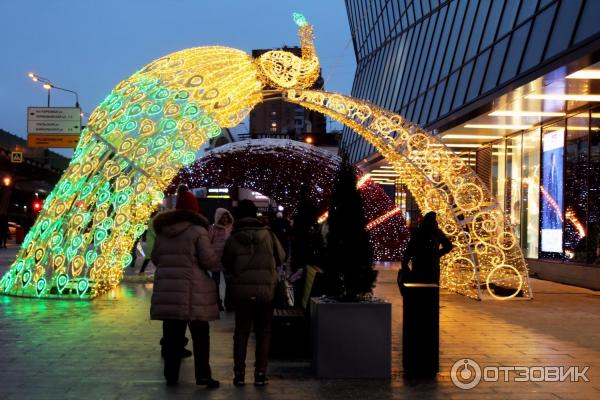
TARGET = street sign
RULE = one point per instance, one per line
(16, 156)
(53, 126)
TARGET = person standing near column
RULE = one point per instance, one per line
(251, 256)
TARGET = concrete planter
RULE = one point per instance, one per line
(351, 340)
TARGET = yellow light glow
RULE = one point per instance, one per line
(440, 181)
(564, 97)
(47, 86)
(457, 145)
(585, 74)
(473, 136)
(519, 113)
(498, 126)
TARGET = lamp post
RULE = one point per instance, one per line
(49, 86)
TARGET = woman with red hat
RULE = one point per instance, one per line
(184, 293)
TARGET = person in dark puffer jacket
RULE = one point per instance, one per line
(251, 256)
(184, 293)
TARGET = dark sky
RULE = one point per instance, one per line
(90, 45)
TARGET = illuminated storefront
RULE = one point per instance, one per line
(557, 217)
(514, 87)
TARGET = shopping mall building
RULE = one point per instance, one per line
(514, 87)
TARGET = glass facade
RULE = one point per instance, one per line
(433, 60)
(548, 179)
(445, 63)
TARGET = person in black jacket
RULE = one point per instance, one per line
(425, 248)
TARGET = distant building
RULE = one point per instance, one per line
(32, 179)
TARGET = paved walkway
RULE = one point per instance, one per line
(108, 349)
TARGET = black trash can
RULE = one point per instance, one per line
(421, 330)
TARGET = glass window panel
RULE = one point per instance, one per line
(491, 25)
(425, 6)
(477, 75)
(418, 107)
(478, 25)
(553, 138)
(448, 96)
(410, 112)
(424, 117)
(594, 190)
(443, 42)
(527, 10)
(418, 11)
(405, 72)
(508, 17)
(424, 61)
(451, 47)
(512, 198)
(513, 57)
(417, 64)
(377, 72)
(530, 210)
(537, 39)
(400, 61)
(431, 61)
(467, 25)
(463, 83)
(588, 23)
(411, 14)
(384, 83)
(576, 188)
(437, 101)
(498, 179)
(386, 25)
(562, 31)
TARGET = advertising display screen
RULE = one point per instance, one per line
(552, 191)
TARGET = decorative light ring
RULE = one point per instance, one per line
(489, 277)
(506, 240)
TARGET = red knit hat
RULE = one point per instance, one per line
(187, 201)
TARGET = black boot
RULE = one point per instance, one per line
(210, 383)
(239, 379)
(260, 379)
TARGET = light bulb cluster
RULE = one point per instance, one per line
(486, 253)
(282, 170)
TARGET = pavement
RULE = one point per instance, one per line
(108, 349)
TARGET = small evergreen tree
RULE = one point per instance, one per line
(307, 243)
(349, 266)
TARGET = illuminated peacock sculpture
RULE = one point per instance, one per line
(153, 123)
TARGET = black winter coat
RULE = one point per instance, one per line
(425, 249)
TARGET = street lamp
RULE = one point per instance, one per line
(49, 85)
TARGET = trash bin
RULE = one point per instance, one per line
(421, 330)
(19, 234)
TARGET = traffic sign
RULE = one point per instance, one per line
(53, 126)
(16, 156)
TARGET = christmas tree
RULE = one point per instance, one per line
(349, 269)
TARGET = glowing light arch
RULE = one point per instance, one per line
(152, 124)
(282, 169)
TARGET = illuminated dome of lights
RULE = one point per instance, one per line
(281, 169)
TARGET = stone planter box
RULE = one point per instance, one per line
(351, 340)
